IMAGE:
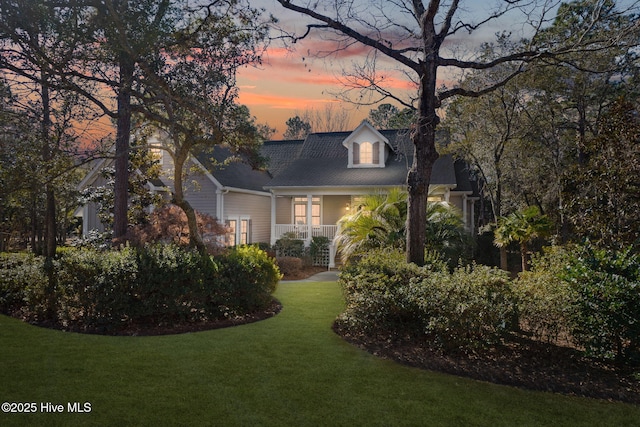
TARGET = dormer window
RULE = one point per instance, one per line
(367, 147)
(366, 153)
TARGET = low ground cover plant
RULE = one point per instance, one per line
(163, 285)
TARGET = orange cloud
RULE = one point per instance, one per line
(278, 101)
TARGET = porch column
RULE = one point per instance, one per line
(309, 219)
(464, 211)
(472, 226)
(273, 219)
(85, 220)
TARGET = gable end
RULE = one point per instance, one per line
(367, 147)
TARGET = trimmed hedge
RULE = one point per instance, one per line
(165, 285)
(471, 308)
(22, 281)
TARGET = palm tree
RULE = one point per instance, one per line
(522, 227)
(380, 222)
(445, 231)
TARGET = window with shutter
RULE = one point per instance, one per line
(356, 153)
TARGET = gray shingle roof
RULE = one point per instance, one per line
(237, 174)
(323, 161)
(280, 154)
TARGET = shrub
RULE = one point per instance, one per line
(250, 276)
(289, 265)
(171, 285)
(607, 303)
(469, 308)
(106, 291)
(290, 246)
(545, 300)
(96, 289)
(22, 282)
(375, 302)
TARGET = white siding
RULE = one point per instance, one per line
(90, 220)
(201, 194)
(256, 207)
(199, 190)
(456, 200)
(283, 210)
(334, 208)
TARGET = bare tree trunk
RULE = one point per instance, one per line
(123, 134)
(50, 225)
(195, 239)
(34, 226)
(418, 190)
(524, 253)
(425, 154)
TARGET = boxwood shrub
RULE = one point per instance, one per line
(164, 285)
(471, 307)
(248, 277)
(22, 282)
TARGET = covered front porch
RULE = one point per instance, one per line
(305, 216)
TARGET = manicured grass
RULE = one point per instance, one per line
(291, 370)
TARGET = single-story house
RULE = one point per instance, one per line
(309, 184)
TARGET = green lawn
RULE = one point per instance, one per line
(290, 370)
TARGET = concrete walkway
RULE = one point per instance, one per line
(325, 276)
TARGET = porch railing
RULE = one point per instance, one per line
(305, 232)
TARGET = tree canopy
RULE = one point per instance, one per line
(167, 62)
(415, 36)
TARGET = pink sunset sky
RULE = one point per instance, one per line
(288, 83)
(291, 81)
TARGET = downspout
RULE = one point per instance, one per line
(273, 218)
(220, 204)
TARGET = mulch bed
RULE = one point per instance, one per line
(150, 329)
(304, 273)
(522, 362)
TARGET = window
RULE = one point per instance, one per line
(239, 231)
(300, 211)
(366, 153)
(157, 155)
(233, 226)
(243, 233)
